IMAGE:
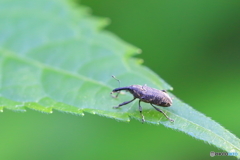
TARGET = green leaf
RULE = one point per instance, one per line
(55, 55)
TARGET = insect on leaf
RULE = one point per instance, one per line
(55, 55)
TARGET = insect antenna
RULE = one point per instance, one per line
(119, 87)
(117, 80)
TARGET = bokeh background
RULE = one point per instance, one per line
(193, 45)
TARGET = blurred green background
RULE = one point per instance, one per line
(193, 45)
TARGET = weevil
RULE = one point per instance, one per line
(145, 94)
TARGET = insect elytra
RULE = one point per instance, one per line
(145, 94)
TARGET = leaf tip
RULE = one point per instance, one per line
(139, 51)
(140, 61)
(107, 21)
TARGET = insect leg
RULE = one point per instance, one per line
(140, 109)
(124, 103)
(116, 94)
(159, 110)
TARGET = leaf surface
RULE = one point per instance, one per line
(55, 55)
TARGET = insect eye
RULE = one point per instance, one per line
(164, 91)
